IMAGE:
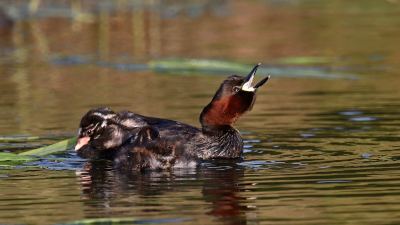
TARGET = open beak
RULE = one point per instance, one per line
(81, 142)
(249, 79)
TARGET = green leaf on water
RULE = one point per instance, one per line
(197, 65)
(103, 221)
(6, 156)
(204, 66)
(60, 146)
(22, 138)
(126, 221)
(11, 160)
(305, 60)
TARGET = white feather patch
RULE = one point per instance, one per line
(106, 117)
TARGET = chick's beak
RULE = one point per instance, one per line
(81, 142)
(249, 79)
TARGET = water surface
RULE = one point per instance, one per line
(317, 150)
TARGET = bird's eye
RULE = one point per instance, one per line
(89, 132)
(236, 89)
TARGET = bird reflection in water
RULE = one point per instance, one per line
(117, 193)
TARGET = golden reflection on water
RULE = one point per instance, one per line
(246, 32)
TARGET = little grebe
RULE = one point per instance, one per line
(135, 142)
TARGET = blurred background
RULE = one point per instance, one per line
(321, 143)
(61, 58)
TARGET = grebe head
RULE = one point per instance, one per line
(93, 125)
(234, 98)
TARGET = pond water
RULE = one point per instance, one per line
(320, 143)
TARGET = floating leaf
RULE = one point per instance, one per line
(305, 60)
(198, 65)
(19, 138)
(125, 221)
(103, 221)
(52, 148)
(6, 156)
(11, 160)
(32, 137)
(203, 66)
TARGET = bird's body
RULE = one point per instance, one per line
(137, 142)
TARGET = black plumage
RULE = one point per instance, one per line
(137, 142)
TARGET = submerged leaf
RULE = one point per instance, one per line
(52, 148)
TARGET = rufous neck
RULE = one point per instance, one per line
(222, 113)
